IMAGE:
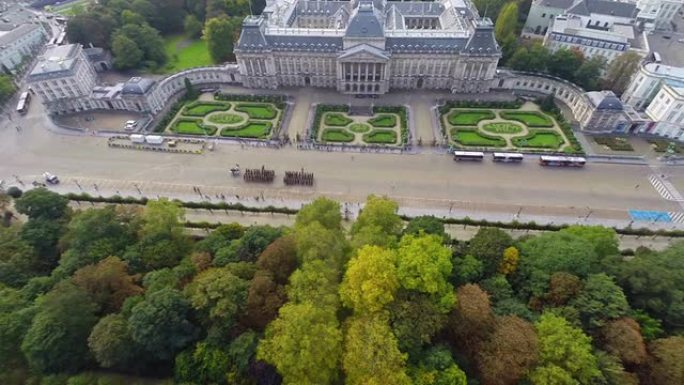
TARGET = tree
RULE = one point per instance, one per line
(377, 224)
(564, 62)
(18, 260)
(424, 265)
(415, 319)
(488, 245)
(192, 26)
(532, 59)
(315, 242)
(7, 88)
(220, 34)
(254, 242)
(509, 352)
(202, 364)
(16, 314)
(562, 288)
(107, 283)
(112, 344)
(126, 53)
(190, 92)
(279, 258)
(467, 269)
(42, 203)
(666, 364)
(322, 210)
(91, 27)
(222, 236)
(437, 367)
(589, 72)
(370, 281)
(622, 338)
(148, 40)
(620, 71)
(507, 21)
(264, 298)
(509, 262)
(304, 343)
(219, 295)
(371, 352)
(600, 300)
(57, 339)
(565, 354)
(160, 324)
(472, 321)
(316, 283)
(428, 224)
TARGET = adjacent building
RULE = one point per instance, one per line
(21, 36)
(541, 15)
(657, 14)
(368, 46)
(605, 113)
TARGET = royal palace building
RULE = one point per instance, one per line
(368, 46)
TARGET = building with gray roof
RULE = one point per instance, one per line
(21, 36)
(368, 46)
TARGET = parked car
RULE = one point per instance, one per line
(50, 178)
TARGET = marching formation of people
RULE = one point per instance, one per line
(299, 178)
(259, 175)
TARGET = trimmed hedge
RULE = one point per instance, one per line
(164, 122)
(575, 147)
(337, 135)
(190, 126)
(277, 100)
(613, 143)
(448, 105)
(403, 119)
(383, 121)
(381, 137)
(320, 110)
(529, 118)
(502, 128)
(251, 129)
(468, 117)
(258, 111)
(335, 119)
(471, 137)
(199, 108)
(84, 197)
(538, 139)
(359, 128)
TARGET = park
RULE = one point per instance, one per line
(340, 124)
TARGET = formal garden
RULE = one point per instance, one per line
(236, 116)
(384, 126)
(505, 126)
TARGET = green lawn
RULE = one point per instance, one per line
(502, 128)
(383, 121)
(255, 130)
(203, 108)
(381, 136)
(69, 9)
(336, 119)
(469, 117)
(470, 137)
(337, 135)
(540, 139)
(257, 111)
(192, 127)
(225, 118)
(183, 53)
(359, 127)
(530, 118)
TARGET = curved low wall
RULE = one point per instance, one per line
(562, 90)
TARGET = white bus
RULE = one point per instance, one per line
(23, 104)
(562, 161)
(468, 155)
(507, 157)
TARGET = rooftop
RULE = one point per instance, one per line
(137, 86)
(56, 59)
(604, 7)
(574, 25)
(562, 4)
(668, 46)
(671, 72)
(9, 35)
(605, 100)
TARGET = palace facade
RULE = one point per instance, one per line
(368, 46)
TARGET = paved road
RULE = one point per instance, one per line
(424, 182)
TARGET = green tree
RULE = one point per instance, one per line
(371, 352)
(190, 92)
(192, 26)
(219, 295)
(322, 210)
(589, 72)
(264, 298)
(18, 260)
(42, 203)
(91, 27)
(315, 242)
(620, 71)
(488, 245)
(130, 17)
(377, 224)
(202, 364)
(599, 301)
(304, 343)
(424, 265)
(564, 62)
(220, 34)
(437, 367)
(112, 344)
(565, 354)
(222, 236)
(371, 280)
(43, 235)
(428, 224)
(467, 269)
(126, 52)
(505, 29)
(57, 339)
(316, 283)
(108, 283)
(16, 314)
(7, 87)
(148, 40)
(415, 319)
(279, 258)
(161, 325)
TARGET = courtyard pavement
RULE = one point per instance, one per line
(422, 183)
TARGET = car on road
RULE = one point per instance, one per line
(50, 178)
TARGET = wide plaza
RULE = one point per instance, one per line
(425, 181)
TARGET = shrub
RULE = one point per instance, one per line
(15, 192)
(403, 119)
(615, 144)
(336, 119)
(383, 121)
(192, 127)
(204, 108)
(320, 110)
(277, 100)
(337, 135)
(469, 117)
(225, 118)
(256, 130)
(502, 128)
(443, 109)
(359, 127)
(529, 118)
(539, 139)
(380, 137)
(472, 137)
(164, 122)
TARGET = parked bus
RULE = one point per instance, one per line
(507, 157)
(24, 99)
(562, 161)
(468, 155)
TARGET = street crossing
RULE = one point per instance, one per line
(665, 188)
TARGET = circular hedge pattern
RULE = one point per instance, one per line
(359, 127)
(502, 128)
(225, 118)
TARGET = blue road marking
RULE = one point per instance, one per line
(650, 216)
